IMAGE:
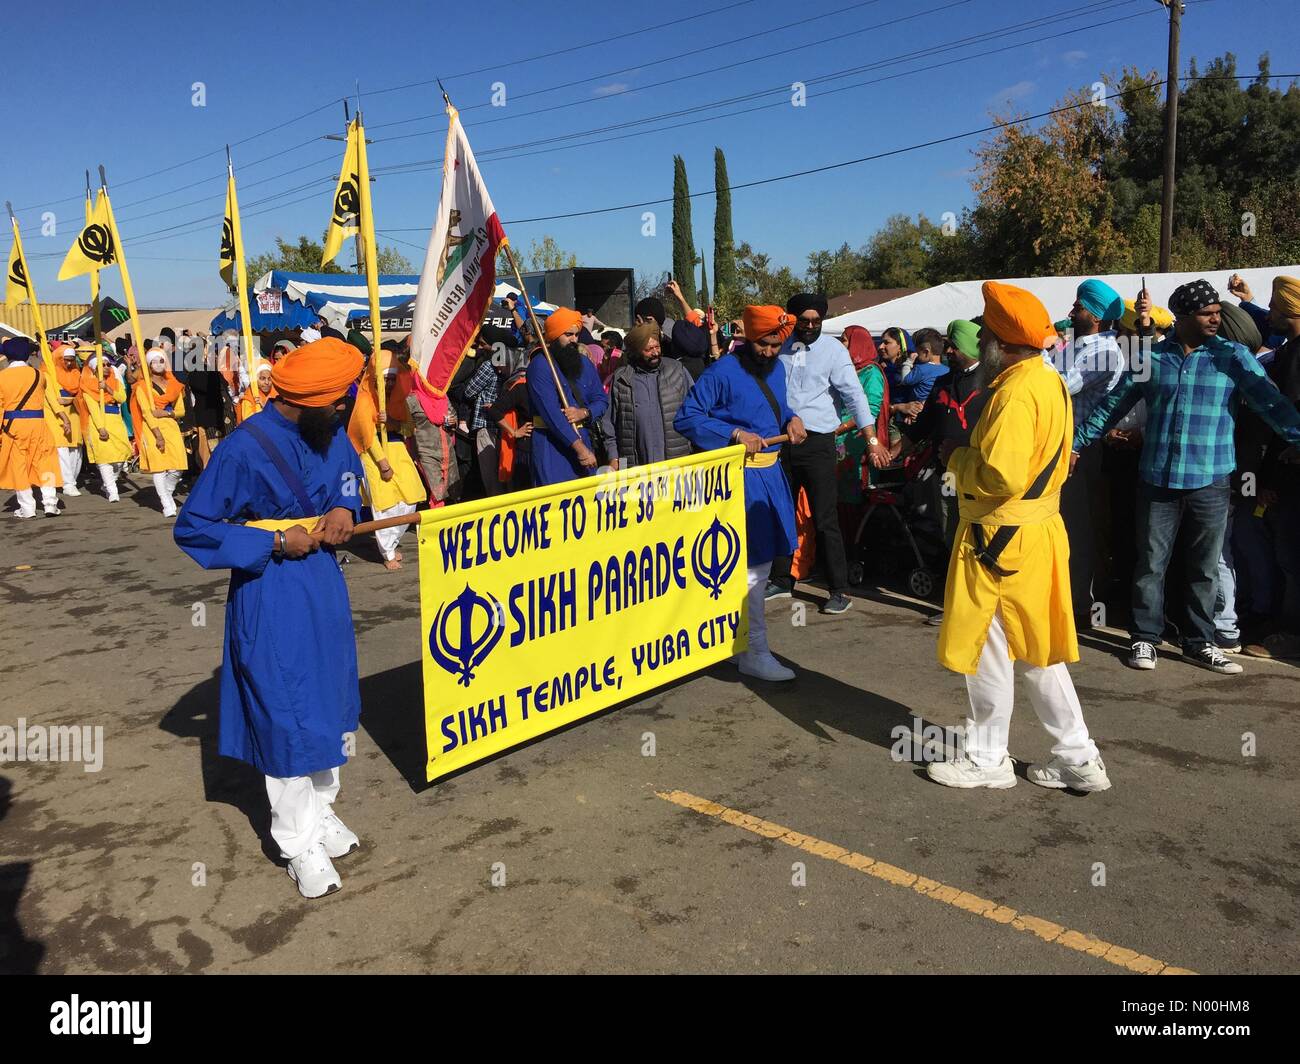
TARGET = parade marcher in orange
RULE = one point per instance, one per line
(65, 420)
(1008, 591)
(250, 403)
(28, 457)
(107, 446)
(157, 405)
(393, 486)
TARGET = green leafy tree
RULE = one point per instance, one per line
(546, 254)
(302, 257)
(759, 283)
(835, 273)
(724, 244)
(683, 239)
(704, 284)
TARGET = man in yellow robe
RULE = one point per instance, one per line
(157, 405)
(1008, 591)
(107, 446)
(393, 487)
(63, 418)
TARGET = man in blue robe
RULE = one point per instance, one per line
(741, 399)
(279, 493)
(561, 444)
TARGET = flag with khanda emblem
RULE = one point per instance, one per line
(347, 197)
(17, 287)
(228, 225)
(95, 246)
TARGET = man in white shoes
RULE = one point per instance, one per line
(1008, 590)
(741, 399)
(278, 495)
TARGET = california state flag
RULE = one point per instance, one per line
(459, 272)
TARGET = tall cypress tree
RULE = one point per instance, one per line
(683, 238)
(724, 247)
(704, 284)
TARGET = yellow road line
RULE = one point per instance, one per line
(959, 899)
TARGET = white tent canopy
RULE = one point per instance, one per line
(962, 299)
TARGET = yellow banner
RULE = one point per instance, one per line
(545, 606)
(347, 198)
(94, 247)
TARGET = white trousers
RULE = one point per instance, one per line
(27, 500)
(108, 472)
(388, 538)
(164, 484)
(756, 581)
(992, 695)
(70, 466)
(298, 806)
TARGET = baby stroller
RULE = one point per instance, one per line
(899, 529)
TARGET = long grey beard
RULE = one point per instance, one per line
(993, 360)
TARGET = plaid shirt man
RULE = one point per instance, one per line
(481, 389)
(1187, 441)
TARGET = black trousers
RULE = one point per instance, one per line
(1080, 499)
(811, 465)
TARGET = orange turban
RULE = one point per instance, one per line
(317, 373)
(1286, 295)
(763, 321)
(1016, 317)
(560, 322)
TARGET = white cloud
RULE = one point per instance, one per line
(1012, 93)
(612, 89)
(1075, 56)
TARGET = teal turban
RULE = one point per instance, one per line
(1100, 300)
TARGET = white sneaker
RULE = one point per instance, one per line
(763, 666)
(338, 839)
(963, 772)
(1056, 773)
(70, 491)
(314, 873)
(169, 513)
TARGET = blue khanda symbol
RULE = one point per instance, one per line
(462, 647)
(714, 556)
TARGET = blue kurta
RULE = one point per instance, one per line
(552, 443)
(289, 688)
(726, 398)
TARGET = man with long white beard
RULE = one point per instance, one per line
(1008, 590)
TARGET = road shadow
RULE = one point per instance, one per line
(195, 716)
(815, 701)
(19, 955)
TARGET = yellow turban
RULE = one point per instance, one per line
(560, 322)
(318, 373)
(1016, 317)
(1286, 295)
(1160, 317)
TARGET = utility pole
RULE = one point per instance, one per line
(1171, 134)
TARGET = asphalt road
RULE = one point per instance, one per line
(824, 853)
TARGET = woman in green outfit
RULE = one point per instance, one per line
(855, 469)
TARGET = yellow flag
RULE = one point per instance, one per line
(94, 247)
(347, 197)
(228, 236)
(17, 287)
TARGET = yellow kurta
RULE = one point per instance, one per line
(1021, 430)
(66, 386)
(108, 416)
(173, 455)
(363, 430)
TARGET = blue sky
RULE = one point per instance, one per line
(265, 66)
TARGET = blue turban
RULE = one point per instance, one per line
(17, 349)
(1100, 300)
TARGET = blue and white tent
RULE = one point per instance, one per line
(282, 301)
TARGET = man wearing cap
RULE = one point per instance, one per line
(1091, 363)
(279, 494)
(741, 399)
(1187, 458)
(28, 457)
(818, 370)
(561, 443)
(1008, 592)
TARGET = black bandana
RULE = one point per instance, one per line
(1191, 297)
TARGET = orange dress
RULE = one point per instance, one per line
(28, 457)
